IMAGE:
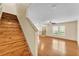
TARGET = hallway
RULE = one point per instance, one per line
(12, 40)
(53, 46)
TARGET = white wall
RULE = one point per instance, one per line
(0, 10)
(29, 32)
(9, 8)
(71, 30)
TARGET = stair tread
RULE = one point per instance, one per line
(12, 40)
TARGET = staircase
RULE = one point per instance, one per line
(12, 40)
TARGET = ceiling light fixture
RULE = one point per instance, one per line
(53, 5)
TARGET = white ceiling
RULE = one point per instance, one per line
(56, 12)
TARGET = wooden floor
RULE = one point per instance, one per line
(51, 46)
(12, 40)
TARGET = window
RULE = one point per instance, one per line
(59, 30)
